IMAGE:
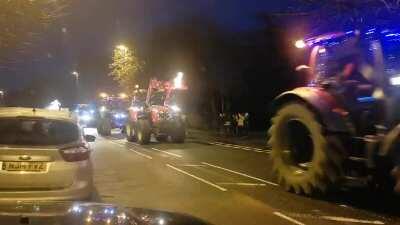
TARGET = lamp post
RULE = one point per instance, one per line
(76, 76)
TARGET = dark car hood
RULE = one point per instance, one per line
(66, 213)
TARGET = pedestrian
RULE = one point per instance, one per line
(240, 123)
(228, 124)
(246, 123)
(221, 118)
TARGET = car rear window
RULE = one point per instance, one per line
(28, 131)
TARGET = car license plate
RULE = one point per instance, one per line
(24, 166)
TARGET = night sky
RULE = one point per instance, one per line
(93, 27)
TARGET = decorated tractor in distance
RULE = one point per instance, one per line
(343, 126)
(112, 113)
(157, 112)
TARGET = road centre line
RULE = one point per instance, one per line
(242, 184)
(197, 178)
(281, 215)
(139, 153)
(351, 220)
(246, 148)
(193, 165)
(239, 173)
(169, 153)
(132, 150)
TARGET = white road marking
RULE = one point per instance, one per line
(132, 150)
(139, 153)
(169, 153)
(241, 184)
(246, 148)
(281, 215)
(198, 178)
(239, 173)
(193, 165)
(351, 220)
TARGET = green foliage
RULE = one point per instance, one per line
(124, 67)
(21, 20)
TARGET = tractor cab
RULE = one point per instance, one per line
(343, 125)
(362, 70)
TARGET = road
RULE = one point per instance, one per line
(222, 184)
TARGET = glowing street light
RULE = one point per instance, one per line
(123, 95)
(76, 74)
(54, 105)
(137, 86)
(103, 95)
(178, 80)
(122, 48)
(300, 44)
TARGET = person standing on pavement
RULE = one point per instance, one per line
(246, 123)
(240, 118)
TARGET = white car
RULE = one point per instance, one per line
(43, 156)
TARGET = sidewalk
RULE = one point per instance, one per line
(254, 139)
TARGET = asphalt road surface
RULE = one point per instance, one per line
(223, 184)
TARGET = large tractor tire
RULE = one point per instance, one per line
(104, 128)
(143, 132)
(304, 159)
(178, 133)
(130, 133)
(161, 138)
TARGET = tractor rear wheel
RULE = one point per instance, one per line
(304, 159)
(130, 133)
(161, 138)
(178, 133)
(143, 132)
(105, 127)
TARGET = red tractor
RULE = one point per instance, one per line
(159, 113)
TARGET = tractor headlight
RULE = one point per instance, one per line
(85, 117)
(136, 108)
(103, 109)
(120, 116)
(175, 108)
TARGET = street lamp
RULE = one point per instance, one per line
(1, 97)
(103, 95)
(300, 44)
(122, 48)
(123, 95)
(178, 80)
(76, 75)
(137, 86)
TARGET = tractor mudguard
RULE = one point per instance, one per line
(331, 114)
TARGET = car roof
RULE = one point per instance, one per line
(63, 114)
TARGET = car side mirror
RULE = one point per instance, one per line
(90, 138)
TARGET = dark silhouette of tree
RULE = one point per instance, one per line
(22, 21)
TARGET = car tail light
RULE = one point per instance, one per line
(75, 153)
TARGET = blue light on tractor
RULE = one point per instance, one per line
(366, 99)
(120, 115)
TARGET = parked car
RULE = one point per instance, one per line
(43, 156)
